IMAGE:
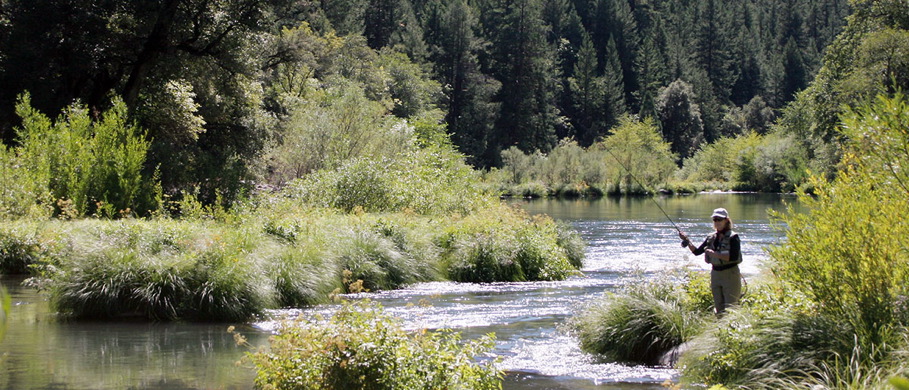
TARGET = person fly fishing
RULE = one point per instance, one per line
(722, 250)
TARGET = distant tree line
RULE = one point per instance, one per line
(222, 87)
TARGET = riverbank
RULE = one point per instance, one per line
(234, 266)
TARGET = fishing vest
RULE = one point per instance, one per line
(723, 246)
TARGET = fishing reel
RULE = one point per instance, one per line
(685, 244)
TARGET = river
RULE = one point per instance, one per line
(628, 238)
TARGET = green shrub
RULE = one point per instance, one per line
(572, 171)
(427, 181)
(771, 341)
(640, 324)
(95, 166)
(533, 189)
(361, 347)
(25, 192)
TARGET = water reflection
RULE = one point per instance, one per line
(41, 352)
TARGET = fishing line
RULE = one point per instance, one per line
(642, 187)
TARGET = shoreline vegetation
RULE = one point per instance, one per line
(827, 312)
(235, 266)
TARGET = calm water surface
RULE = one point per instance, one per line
(627, 238)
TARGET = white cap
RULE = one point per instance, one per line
(720, 213)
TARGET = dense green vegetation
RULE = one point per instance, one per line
(831, 313)
(361, 347)
(234, 93)
(216, 265)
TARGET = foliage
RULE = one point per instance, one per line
(771, 163)
(322, 134)
(868, 58)
(637, 156)
(427, 181)
(20, 248)
(93, 166)
(274, 251)
(361, 347)
(835, 316)
(770, 342)
(25, 193)
(642, 322)
(836, 268)
(570, 170)
(680, 117)
(505, 244)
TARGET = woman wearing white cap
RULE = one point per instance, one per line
(723, 251)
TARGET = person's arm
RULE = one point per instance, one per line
(696, 250)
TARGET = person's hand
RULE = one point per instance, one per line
(683, 236)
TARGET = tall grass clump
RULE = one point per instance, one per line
(164, 270)
(361, 347)
(304, 274)
(228, 280)
(506, 244)
(642, 323)
(20, 247)
(379, 262)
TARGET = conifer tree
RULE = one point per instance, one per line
(525, 67)
(654, 71)
(615, 20)
(613, 86)
(470, 113)
(713, 47)
(587, 92)
(392, 23)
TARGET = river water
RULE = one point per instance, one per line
(628, 238)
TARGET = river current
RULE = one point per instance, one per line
(628, 239)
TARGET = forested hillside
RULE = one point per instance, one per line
(242, 91)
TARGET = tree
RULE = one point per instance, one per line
(528, 115)
(637, 155)
(713, 47)
(680, 117)
(654, 72)
(587, 92)
(392, 23)
(470, 113)
(202, 56)
(615, 21)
